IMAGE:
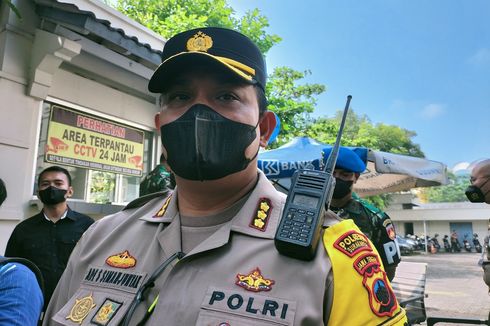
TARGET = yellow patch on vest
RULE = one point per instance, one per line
(351, 243)
(357, 269)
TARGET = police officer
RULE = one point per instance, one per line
(204, 254)
(372, 221)
(479, 192)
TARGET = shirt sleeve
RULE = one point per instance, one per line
(385, 243)
(21, 299)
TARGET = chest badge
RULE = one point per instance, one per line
(254, 281)
(81, 309)
(106, 312)
(262, 214)
(121, 260)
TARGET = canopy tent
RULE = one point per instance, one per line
(385, 172)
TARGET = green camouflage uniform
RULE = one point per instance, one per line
(155, 181)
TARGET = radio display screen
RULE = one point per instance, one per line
(307, 201)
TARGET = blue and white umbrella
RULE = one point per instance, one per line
(385, 172)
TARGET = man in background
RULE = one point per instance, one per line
(159, 179)
(455, 246)
(48, 238)
(21, 298)
(372, 221)
(479, 192)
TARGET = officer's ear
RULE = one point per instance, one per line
(267, 125)
(69, 192)
(157, 121)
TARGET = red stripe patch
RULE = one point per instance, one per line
(352, 243)
(366, 261)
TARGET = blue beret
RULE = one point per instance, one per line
(347, 160)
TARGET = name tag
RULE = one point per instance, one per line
(250, 305)
(114, 279)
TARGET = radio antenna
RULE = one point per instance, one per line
(332, 158)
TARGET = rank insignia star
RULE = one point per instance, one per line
(262, 214)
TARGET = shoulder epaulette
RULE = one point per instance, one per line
(138, 202)
(29, 264)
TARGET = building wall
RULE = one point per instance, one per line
(121, 94)
(437, 218)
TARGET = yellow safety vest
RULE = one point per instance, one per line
(362, 293)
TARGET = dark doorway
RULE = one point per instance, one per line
(408, 228)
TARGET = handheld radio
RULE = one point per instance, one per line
(310, 194)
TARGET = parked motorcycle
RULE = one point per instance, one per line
(436, 242)
(466, 244)
(447, 245)
(476, 243)
(431, 247)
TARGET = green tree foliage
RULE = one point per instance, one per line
(359, 131)
(452, 192)
(102, 187)
(292, 102)
(169, 17)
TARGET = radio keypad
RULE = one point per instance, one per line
(297, 225)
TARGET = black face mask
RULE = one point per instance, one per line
(52, 195)
(474, 194)
(342, 188)
(204, 145)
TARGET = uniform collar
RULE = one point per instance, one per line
(166, 210)
(68, 213)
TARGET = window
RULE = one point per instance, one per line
(95, 183)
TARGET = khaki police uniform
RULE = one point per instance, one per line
(235, 277)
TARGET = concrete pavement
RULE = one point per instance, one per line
(454, 285)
